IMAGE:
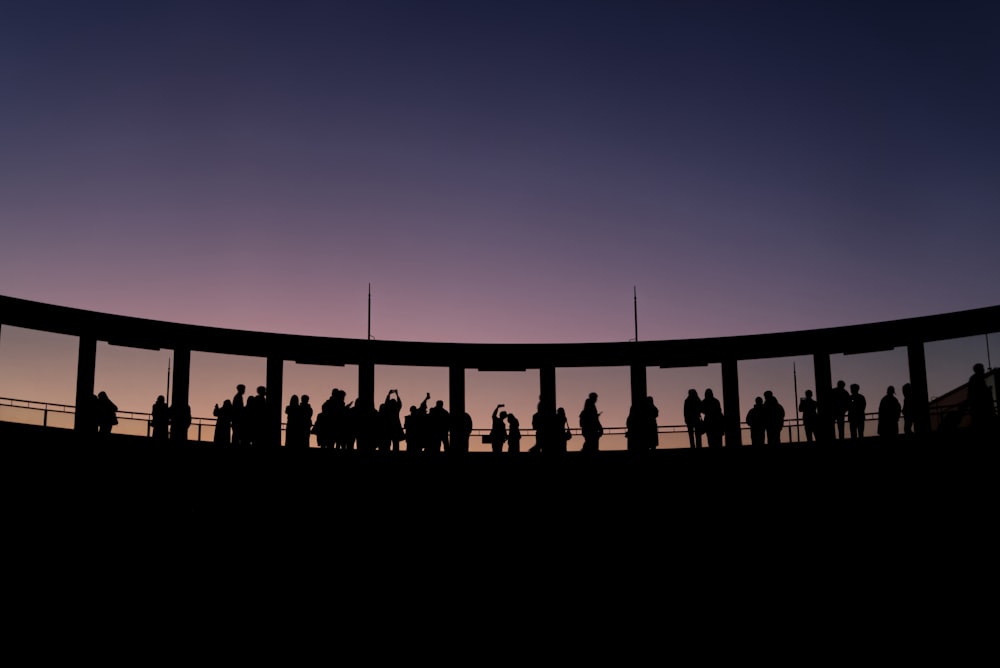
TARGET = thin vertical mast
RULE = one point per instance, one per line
(369, 311)
(635, 313)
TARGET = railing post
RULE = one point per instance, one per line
(45, 416)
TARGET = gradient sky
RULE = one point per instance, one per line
(502, 171)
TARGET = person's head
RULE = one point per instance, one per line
(439, 403)
(809, 394)
(758, 401)
(768, 395)
(227, 403)
(841, 384)
(906, 389)
(592, 396)
(261, 390)
(890, 390)
(855, 387)
(979, 368)
(160, 399)
(709, 394)
(693, 393)
(294, 400)
(305, 398)
(503, 415)
(241, 388)
(102, 395)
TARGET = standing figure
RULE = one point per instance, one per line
(889, 411)
(807, 406)
(692, 418)
(560, 430)
(461, 430)
(223, 422)
(498, 432)
(513, 433)
(393, 406)
(180, 421)
(590, 424)
(756, 421)
(856, 412)
(907, 409)
(160, 421)
(107, 413)
(840, 403)
(715, 421)
(774, 418)
(982, 413)
(438, 421)
(306, 417)
(293, 422)
(239, 415)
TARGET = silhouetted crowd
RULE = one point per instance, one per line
(358, 425)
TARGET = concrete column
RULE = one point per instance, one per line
(456, 390)
(86, 363)
(275, 400)
(918, 403)
(640, 389)
(731, 403)
(547, 388)
(366, 383)
(824, 395)
(180, 396)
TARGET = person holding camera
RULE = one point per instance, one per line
(498, 434)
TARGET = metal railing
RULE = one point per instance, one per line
(140, 423)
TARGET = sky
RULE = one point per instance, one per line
(499, 172)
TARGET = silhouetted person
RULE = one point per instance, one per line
(107, 413)
(692, 418)
(461, 431)
(907, 409)
(715, 421)
(293, 422)
(561, 430)
(840, 403)
(160, 419)
(590, 424)
(513, 433)
(641, 430)
(810, 416)
(982, 414)
(416, 428)
(756, 420)
(306, 416)
(255, 424)
(856, 412)
(223, 422)
(889, 411)
(393, 407)
(498, 432)
(239, 415)
(542, 427)
(366, 424)
(438, 420)
(774, 418)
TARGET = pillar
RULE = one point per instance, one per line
(547, 388)
(180, 399)
(274, 382)
(366, 383)
(731, 403)
(86, 363)
(824, 396)
(918, 402)
(640, 390)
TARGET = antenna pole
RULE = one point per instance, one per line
(369, 311)
(635, 313)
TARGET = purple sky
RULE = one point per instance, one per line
(502, 171)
